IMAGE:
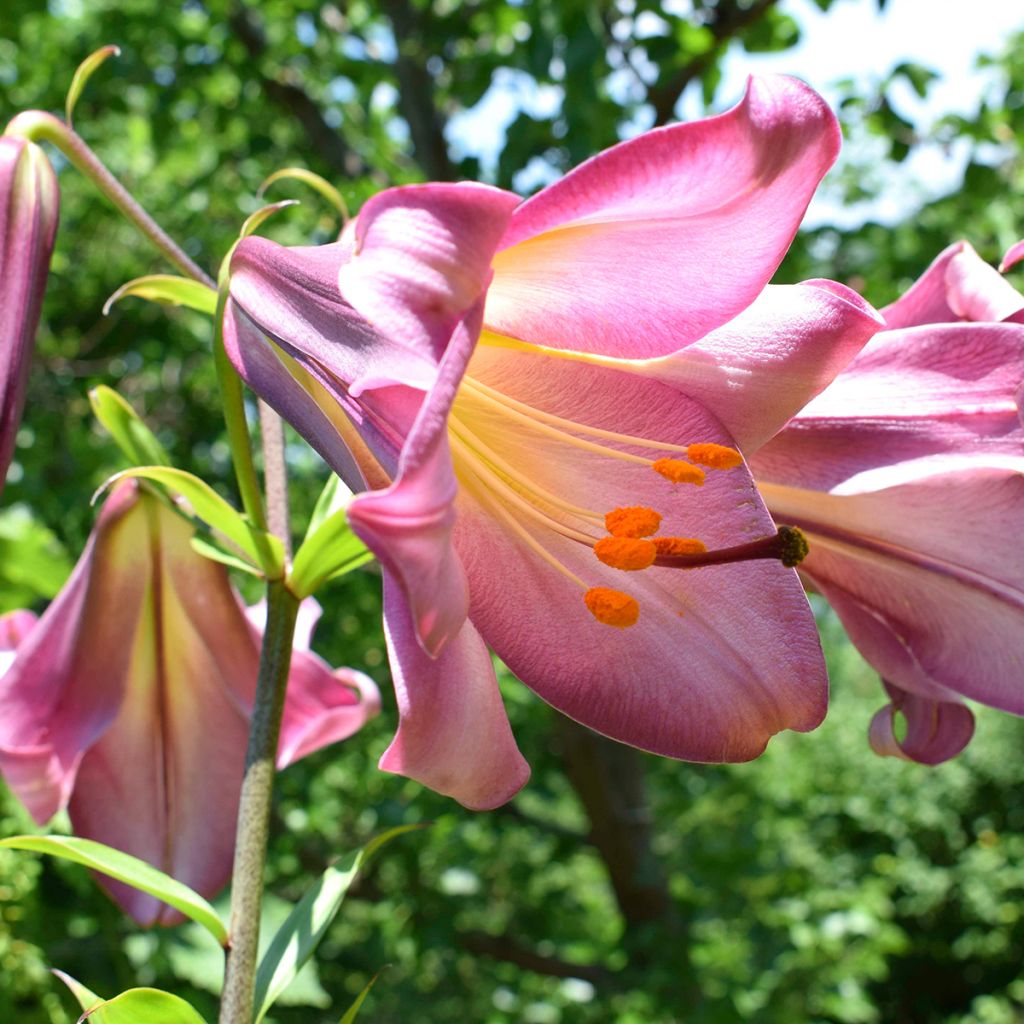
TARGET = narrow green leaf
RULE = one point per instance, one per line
(209, 548)
(144, 1006)
(314, 181)
(353, 1010)
(307, 924)
(332, 549)
(83, 73)
(265, 550)
(124, 425)
(87, 999)
(254, 220)
(334, 496)
(130, 870)
(169, 290)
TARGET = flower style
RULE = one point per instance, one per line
(907, 475)
(128, 702)
(29, 204)
(526, 393)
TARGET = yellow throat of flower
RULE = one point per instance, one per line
(623, 538)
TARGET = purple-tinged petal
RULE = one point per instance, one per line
(58, 697)
(942, 388)
(454, 735)
(303, 402)
(293, 295)
(130, 701)
(935, 730)
(761, 368)
(646, 247)
(29, 204)
(408, 525)
(422, 257)
(1013, 256)
(721, 658)
(14, 627)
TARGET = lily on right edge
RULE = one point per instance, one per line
(907, 475)
(541, 404)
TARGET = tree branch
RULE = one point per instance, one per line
(499, 947)
(729, 19)
(293, 99)
(416, 92)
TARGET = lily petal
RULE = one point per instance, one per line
(943, 388)
(701, 213)
(408, 525)
(761, 368)
(29, 203)
(422, 257)
(897, 541)
(454, 735)
(721, 659)
(54, 702)
(958, 285)
(936, 730)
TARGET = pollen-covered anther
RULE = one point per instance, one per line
(679, 546)
(636, 521)
(714, 456)
(679, 472)
(612, 607)
(629, 553)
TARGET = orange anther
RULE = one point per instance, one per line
(628, 553)
(632, 522)
(714, 456)
(679, 472)
(612, 607)
(679, 546)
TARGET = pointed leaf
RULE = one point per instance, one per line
(331, 550)
(307, 924)
(254, 220)
(265, 550)
(209, 548)
(314, 181)
(130, 870)
(124, 425)
(335, 495)
(170, 290)
(143, 1006)
(353, 1010)
(83, 73)
(87, 999)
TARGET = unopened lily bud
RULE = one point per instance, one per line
(29, 204)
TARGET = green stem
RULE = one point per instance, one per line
(254, 807)
(37, 126)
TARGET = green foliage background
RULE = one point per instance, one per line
(819, 884)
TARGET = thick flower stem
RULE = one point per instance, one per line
(38, 126)
(254, 807)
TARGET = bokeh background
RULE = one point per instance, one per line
(818, 884)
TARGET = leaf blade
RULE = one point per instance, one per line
(128, 869)
(308, 922)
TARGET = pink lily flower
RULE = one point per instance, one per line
(29, 205)
(128, 702)
(907, 475)
(525, 392)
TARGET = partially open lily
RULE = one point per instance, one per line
(907, 474)
(539, 402)
(128, 702)
(29, 204)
